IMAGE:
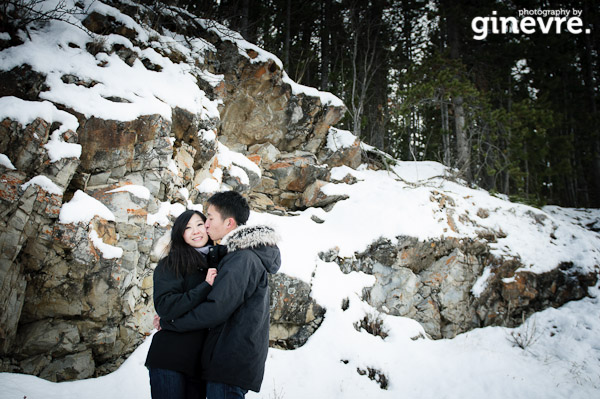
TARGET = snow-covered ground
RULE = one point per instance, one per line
(562, 361)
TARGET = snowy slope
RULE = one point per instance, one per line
(563, 361)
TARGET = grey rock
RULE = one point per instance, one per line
(431, 282)
(71, 367)
(294, 314)
(47, 337)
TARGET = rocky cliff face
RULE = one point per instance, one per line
(432, 282)
(76, 295)
(76, 292)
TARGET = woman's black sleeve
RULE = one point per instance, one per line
(170, 299)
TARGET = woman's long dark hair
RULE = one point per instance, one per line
(183, 259)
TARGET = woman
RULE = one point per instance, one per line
(182, 280)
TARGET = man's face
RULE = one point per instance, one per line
(216, 226)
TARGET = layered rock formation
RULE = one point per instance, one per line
(433, 282)
(77, 294)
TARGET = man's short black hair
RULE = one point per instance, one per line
(231, 204)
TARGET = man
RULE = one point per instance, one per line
(236, 311)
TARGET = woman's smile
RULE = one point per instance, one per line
(195, 232)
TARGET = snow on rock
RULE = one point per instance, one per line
(209, 185)
(127, 21)
(207, 135)
(108, 251)
(229, 159)
(58, 149)
(26, 112)
(326, 97)
(162, 216)
(45, 183)
(482, 282)
(339, 138)
(586, 218)
(230, 169)
(391, 207)
(5, 161)
(82, 208)
(108, 75)
(244, 47)
(139, 191)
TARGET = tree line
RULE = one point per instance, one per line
(516, 114)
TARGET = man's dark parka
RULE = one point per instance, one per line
(236, 311)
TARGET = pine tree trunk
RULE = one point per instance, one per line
(589, 52)
(288, 28)
(244, 23)
(445, 132)
(462, 140)
(596, 173)
(325, 39)
(507, 150)
(366, 30)
(357, 88)
(526, 171)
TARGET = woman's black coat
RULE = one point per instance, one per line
(173, 297)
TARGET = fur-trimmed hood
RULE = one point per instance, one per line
(245, 237)
(260, 239)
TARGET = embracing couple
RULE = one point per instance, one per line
(213, 304)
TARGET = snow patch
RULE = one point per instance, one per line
(209, 185)
(165, 210)
(139, 191)
(338, 139)
(419, 171)
(482, 282)
(5, 161)
(207, 135)
(25, 112)
(45, 183)
(51, 53)
(228, 158)
(82, 209)
(108, 251)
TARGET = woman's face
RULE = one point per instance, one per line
(195, 232)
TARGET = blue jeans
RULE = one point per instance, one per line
(169, 384)
(218, 390)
